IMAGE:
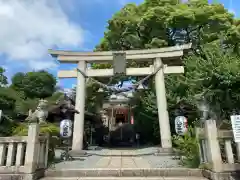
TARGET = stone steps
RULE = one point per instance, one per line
(126, 174)
(124, 178)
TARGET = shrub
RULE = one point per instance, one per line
(187, 146)
(22, 129)
(6, 126)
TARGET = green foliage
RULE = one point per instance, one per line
(164, 23)
(146, 121)
(22, 129)
(7, 100)
(6, 126)
(24, 105)
(54, 98)
(38, 84)
(24, 94)
(206, 166)
(187, 146)
(3, 78)
(93, 98)
(216, 79)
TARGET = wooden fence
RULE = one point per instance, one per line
(24, 155)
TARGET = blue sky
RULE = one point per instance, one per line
(30, 27)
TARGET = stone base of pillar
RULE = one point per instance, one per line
(78, 153)
(165, 152)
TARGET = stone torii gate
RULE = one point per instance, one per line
(170, 57)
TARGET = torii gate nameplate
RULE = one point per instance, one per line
(119, 63)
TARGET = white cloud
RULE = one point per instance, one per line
(30, 27)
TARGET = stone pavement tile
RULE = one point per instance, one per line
(115, 152)
(128, 162)
(103, 162)
(141, 163)
(128, 152)
(115, 162)
(162, 161)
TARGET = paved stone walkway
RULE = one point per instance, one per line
(120, 158)
(126, 159)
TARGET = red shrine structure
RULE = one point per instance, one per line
(117, 115)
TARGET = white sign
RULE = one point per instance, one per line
(180, 125)
(66, 128)
(235, 120)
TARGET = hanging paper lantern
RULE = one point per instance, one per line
(181, 125)
(66, 128)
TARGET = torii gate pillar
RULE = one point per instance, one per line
(77, 142)
(163, 117)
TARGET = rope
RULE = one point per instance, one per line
(121, 89)
(147, 77)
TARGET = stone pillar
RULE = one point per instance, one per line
(32, 148)
(77, 142)
(213, 145)
(238, 151)
(164, 125)
(229, 151)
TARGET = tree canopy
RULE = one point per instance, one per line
(39, 84)
(159, 23)
(3, 78)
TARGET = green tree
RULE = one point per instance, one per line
(93, 99)
(7, 105)
(3, 78)
(158, 23)
(39, 84)
(7, 95)
(216, 79)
